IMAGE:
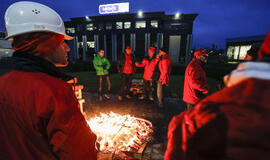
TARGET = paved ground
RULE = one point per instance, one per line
(160, 117)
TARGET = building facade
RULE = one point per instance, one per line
(5, 46)
(237, 47)
(113, 32)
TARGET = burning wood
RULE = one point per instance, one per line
(120, 132)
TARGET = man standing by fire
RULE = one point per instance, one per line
(39, 115)
(195, 85)
(102, 65)
(230, 124)
(149, 63)
(126, 67)
(165, 67)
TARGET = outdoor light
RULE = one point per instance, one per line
(140, 13)
(177, 15)
(86, 17)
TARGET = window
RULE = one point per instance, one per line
(230, 52)
(140, 24)
(79, 28)
(80, 44)
(70, 30)
(90, 27)
(243, 51)
(100, 26)
(91, 44)
(119, 25)
(108, 26)
(154, 24)
(127, 25)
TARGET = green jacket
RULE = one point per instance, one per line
(102, 65)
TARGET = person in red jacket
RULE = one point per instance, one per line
(149, 63)
(165, 67)
(230, 124)
(39, 115)
(195, 85)
(126, 67)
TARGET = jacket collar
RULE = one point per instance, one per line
(246, 70)
(29, 63)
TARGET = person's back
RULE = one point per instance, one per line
(231, 124)
(39, 112)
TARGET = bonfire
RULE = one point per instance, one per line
(117, 132)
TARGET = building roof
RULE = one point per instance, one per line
(246, 39)
(147, 15)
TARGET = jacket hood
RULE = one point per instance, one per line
(246, 70)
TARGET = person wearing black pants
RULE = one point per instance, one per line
(126, 67)
(126, 80)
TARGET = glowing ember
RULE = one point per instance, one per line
(120, 133)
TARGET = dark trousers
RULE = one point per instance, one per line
(148, 88)
(126, 80)
(100, 82)
(189, 106)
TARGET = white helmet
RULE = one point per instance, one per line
(26, 17)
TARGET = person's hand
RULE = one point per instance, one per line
(157, 56)
(136, 63)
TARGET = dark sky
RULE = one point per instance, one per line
(217, 20)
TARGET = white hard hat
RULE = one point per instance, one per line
(26, 17)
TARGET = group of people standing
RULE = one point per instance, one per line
(40, 119)
(157, 70)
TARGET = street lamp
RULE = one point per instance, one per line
(140, 14)
(177, 15)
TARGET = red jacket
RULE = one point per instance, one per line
(39, 115)
(195, 85)
(149, 67)
(123, 61)
(165, 68)
(128, 67)
(230, 124)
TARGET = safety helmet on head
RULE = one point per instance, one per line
(200, 52)
(26, 17)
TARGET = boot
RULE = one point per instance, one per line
(107, 96)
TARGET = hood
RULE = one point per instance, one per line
(246, 70)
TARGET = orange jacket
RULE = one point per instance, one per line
(39, 115)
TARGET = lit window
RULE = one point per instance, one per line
(91, 44)
(108, 26)
(70, 30)
(236, 52)
(243, 51)
(154, 24)
(140, 24)
(90, 27)
(230, 52)
(119, 25)
(80, 44)
(127, 25)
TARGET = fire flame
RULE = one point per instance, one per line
(120, 132)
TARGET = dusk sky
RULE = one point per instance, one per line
(217, 20)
